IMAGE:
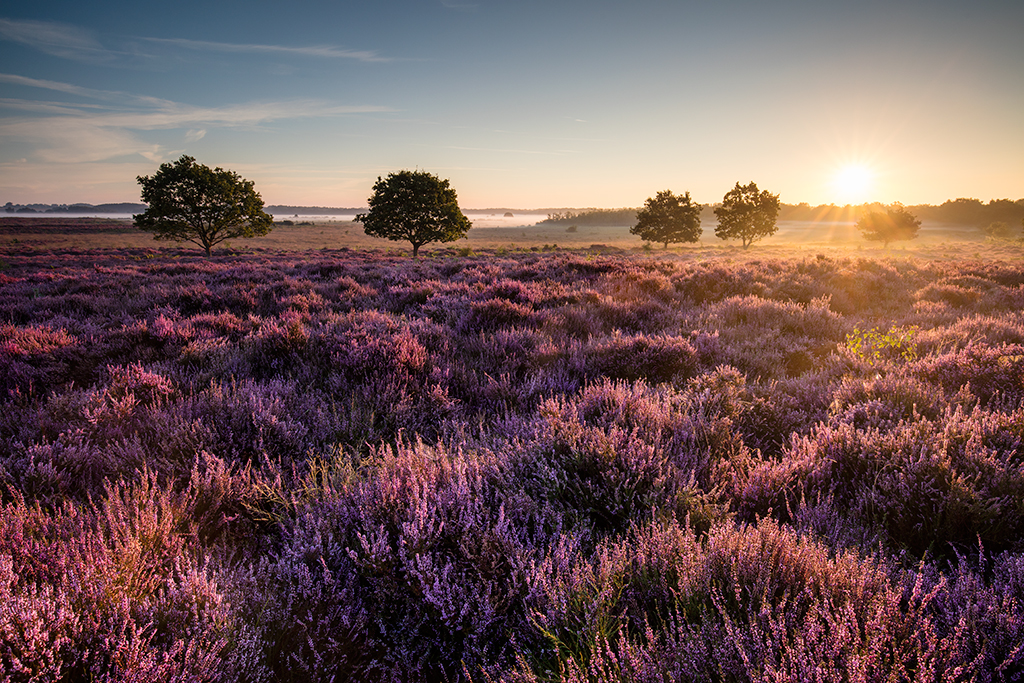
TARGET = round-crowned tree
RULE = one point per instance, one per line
(895, 224)
(668, 217)
(190, 202)
(414, 206)
(747, 214)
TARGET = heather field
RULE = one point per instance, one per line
(513, 465)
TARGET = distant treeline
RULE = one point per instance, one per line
(311, 210)
(592, 217)
(133, 208)
(122, 207)
(961, 211)
(971, 212)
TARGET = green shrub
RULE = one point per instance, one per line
(876, 346)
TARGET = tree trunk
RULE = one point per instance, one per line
(415, 251)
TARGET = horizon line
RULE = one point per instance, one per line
(505, 208)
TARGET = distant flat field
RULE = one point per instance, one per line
(21, 233)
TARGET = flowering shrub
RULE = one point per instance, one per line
(770, 339)
(619, 453)
(655, 359)
(515, 467)
(988, 372)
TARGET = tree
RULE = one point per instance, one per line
(668, 218)
(999, 230)
(895, 224)
(414, 206)
(190, 202)
(747, 214)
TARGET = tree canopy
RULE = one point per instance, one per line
(668, 217)
(414, 206)
(747, 214)
(895, 224)
(999, 230)
(190, 202)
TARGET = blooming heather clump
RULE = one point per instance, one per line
(655, 359)
(886, 401)
(510, 467)
(770, 339)
(928, 487)
(754, 603)
(32, 355)
(112, 589)
(992, 373)
(619, 453)
(421, 562)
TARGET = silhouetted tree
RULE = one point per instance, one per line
(414, 206)
(999, 230)
(747, 214)
(190, 202)
(894, 225)
(668, 218)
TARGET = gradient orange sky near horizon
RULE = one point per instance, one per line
(527, 104)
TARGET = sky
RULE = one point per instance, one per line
(529, 104)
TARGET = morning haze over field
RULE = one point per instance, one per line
(525, 104)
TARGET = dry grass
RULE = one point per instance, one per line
(936, 242)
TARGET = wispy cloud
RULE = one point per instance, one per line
(247, 114)
(69, 140)
(72, 132)
(53, 38)
(76, 43)
(321, 51)
(90, 93)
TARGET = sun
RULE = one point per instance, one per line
(852, 184)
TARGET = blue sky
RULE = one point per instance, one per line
(520, 104)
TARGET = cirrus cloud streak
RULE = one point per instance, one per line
(322, 51)
(78, 44)
(68, 132)
(57, 39)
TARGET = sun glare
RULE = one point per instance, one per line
(852, 184)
